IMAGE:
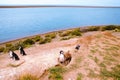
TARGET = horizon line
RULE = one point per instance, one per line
(37, 6)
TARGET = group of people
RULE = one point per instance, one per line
(14, 56)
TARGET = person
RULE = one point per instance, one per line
(22, 52)
(77, 47)
(13, 55)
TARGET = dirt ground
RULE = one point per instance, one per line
(41, 57)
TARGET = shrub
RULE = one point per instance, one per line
(12, 47)
(16, 46)
(102, 64)
(52, 35)
(66, 33)
(76, 32)
(117, 30)
(109, 27)
(2, 49)
(37, 38)
(27, 77)
(56, 73)
(8, 45)
(28, 42)
(93, 28)
(66, 38)
(42, 42)
(46, 40)
(79, 77)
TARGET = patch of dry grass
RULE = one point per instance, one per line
(27, 76)
(79, 76)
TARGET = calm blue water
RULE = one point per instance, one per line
(21, 22)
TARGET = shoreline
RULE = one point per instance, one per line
(42, 34)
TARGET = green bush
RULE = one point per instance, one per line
(8, 45)
(28, 42)
(109, 27)
(16, 46)
(27, 77)
(66, 33)
(93, 28)
(2, 49)
(46, 40)
(52, 35)
(65, 38)
(76, 32)
(56, 73)
(37, 38)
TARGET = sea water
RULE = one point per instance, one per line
(22, 22)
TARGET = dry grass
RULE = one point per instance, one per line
(27, 76)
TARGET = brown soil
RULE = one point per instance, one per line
(39, 58)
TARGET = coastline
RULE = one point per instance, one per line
(82, 29)
(41, 34)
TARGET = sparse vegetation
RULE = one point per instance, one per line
(66, 38)
(16, 46)
(117, 30)
(76, 32)
(28, 42)
(114, 73)
(93, 28)
(102, 64)
(8, 45)
(27, 77)
(65, 33)
(92, 74)
(102, 28)
(37, 38)
(93, 51)
(55, 73)
(78, 59)
(46, 40)
(52, 35)
(109, 58)
(96, 59)
(110, 27)
(2, 49)
(79, 77)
